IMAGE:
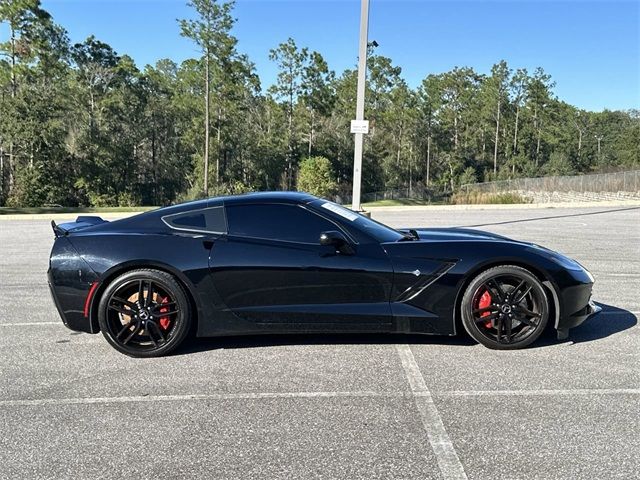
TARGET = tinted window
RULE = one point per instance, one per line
(209, 220)
(377, 230)
(277, 222)
(195, 220)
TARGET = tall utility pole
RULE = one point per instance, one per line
(207, 122)
(362, 78)
(599, 139)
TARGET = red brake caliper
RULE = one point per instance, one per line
(485, 301)
(164, 321)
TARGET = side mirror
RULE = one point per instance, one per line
(338, 241)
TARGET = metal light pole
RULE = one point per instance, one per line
(359, 127)
(599, 139)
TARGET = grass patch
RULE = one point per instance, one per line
(474, 198)
(38, 210)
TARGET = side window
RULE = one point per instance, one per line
(277, 222)
(206, 220)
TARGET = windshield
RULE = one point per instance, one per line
(377, 230)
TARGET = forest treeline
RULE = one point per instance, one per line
(81, 124)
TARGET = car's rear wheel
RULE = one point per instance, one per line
(505, 307)
(144, 313)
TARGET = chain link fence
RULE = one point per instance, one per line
(417, 192)
(605, 185)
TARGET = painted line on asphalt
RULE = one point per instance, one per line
(212, 396)
(29, 324)
(448, 461)
(534, 393)
(416, 394)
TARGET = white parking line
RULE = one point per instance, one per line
(29, 324)
(524, 393)
(415, 382)
(211, 396)
(448, 461)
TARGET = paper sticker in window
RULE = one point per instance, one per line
(343, 212)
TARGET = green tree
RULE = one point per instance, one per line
(211, 32)
(317, 93)
(84, 125)
(538, 101)
(31, 32)
(518, 87)
(495, 89)
(400, 121)
(288, 88)
(429, 103)
(559, 164)
(459, 91)
(316, 177)
(468, 176)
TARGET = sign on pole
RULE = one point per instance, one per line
(360, 126)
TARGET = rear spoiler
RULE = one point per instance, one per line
(82, 222)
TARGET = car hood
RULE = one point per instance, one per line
(448, 234)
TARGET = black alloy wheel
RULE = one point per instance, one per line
(144, 313)
(505, 308)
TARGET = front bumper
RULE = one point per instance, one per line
(576, 307)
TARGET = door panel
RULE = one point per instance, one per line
(303, 286)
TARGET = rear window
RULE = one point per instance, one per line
(210, 220)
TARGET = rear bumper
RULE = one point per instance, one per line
(70, 280)
(68, 302)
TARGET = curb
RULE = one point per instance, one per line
(515, 206)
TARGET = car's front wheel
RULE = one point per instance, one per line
(144, 313)
(505, 307)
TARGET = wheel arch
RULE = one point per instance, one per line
(544, 277)
(108, 276)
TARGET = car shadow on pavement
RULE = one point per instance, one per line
(274, 340)
(610, 321)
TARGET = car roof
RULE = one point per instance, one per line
(150, 219)
(244, 198)
(266, 197)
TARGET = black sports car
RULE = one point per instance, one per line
(290, 263)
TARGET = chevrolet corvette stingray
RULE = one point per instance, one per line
(283, 262)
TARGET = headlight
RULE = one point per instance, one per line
(571, 264)
(564, 262)
(589, 275)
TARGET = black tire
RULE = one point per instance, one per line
(514, 314)
(144, 313)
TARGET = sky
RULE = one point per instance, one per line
(591, 48)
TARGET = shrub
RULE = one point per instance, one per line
(316, 177)
(487, 198)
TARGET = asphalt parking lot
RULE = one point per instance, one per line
(329, 406)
